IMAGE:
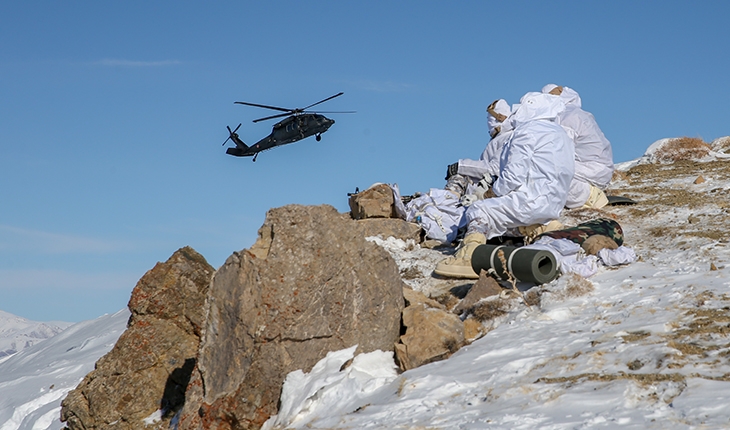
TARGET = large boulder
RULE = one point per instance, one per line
(145, 375)
(310, 284)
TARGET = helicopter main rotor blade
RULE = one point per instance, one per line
(265, 106)
(273, 116)
(322, 101)
(335, 111)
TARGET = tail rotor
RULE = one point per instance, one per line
(231, 134)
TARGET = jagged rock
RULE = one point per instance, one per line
(413, 297)
(390, 227)
(700, 180)
(432, 333)
(150, 365)
(473, 330)
(431, 243)
(485, 286)
(375, 202)
(310, 284)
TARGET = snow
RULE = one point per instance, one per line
(327, 390)
(643, 345)
(564, 366)
(17, 333)
(34, 381)
(154, 417)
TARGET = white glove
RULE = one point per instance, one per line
(483, 186)
(468, 199)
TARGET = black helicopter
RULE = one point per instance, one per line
(297, 125)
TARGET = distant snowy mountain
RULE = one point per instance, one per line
(17, 333)
(34, 381)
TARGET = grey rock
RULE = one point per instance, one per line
(309, 285)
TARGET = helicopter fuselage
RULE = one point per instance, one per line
(298, 124)
(288, 130)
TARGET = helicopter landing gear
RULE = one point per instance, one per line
(254, 156)
(318, 137)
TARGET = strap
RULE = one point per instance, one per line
(491, 259)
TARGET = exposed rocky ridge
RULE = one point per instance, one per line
(666, 193)
(638, 345)
(309, 285)
(149, 367)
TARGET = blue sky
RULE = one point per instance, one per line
(112, 114)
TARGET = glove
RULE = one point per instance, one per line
(451, 170)
(468, 199)
(487, 181)
(483, 186)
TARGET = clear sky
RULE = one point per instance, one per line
(112, 114)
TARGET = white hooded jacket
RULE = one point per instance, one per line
(488, 162)
(536, 168)
(593, 152)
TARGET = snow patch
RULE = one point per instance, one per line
(328, 390)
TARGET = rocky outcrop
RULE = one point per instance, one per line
(431, 332)
(310, 284)
(375, 202)
(144, 376)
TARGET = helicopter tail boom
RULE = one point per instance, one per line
(238, 152)
(241, 148)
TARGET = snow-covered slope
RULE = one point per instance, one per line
(640, 346)
(34, 381)
(17, 333)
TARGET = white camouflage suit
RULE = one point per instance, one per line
(593, 153)
(488, 162)
(536, 169)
